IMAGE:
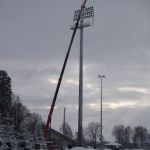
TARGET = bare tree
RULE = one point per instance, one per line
(127, 135)
(93, 132)
(67, 130)
(18, 113)
(31, 121)
(148, 137)
(140, 135)
(118, 133)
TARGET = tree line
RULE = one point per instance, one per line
(15, 116)
(137, 135)
(129, 137)
(24, 124)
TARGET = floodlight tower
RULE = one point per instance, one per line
(86, 13)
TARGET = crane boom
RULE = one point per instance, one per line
(48, 123)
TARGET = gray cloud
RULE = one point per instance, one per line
(34, 37)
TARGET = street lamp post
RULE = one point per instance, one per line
(101, 136)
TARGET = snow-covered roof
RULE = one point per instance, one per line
(113, 143)
(78, 148)
(82, 148)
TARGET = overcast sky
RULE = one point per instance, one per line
(34, 37)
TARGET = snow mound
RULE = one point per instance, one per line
(79, 148)
(82, 148)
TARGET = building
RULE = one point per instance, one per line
(114, 146)
(60, 140)
(146, 146)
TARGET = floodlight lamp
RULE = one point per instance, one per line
(87, 13)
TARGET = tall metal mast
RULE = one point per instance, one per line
(48, 123)
(80, 114)
(86, 13)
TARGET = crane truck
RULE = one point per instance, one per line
(49, 119)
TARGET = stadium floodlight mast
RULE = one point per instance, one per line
(86, 14)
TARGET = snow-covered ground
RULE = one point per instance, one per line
(82, 148)
(9, 138)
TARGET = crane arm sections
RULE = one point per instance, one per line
(48, 123)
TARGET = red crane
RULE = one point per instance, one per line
(49, 119)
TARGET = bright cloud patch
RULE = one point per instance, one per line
(95, 106)
(41, 107)
(120, 104)
(112, 105)
(134, 89)
(52, 81)
(72, 81)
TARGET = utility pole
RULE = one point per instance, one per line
(85, 13)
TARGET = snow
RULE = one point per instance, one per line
(78, 148)
(9, 138)
(82, 148)
(114, 143)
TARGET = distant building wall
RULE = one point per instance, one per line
(60, 139)
(146, 146)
